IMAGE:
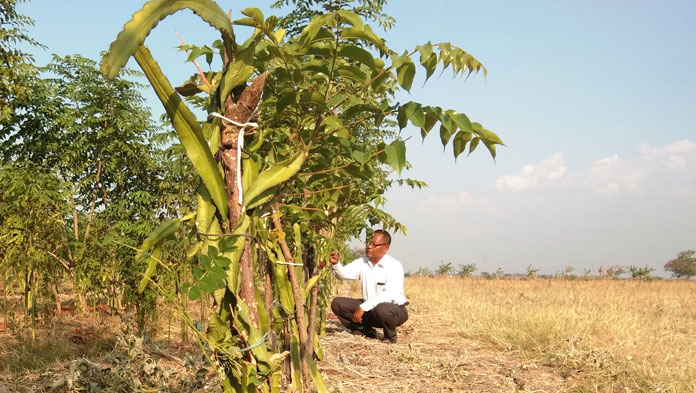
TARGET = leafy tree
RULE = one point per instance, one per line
(612, 272)
(532, 272)
(566, 272)
(97, 137)
(424, 272)
(684, 265)
(640, 273)
(299, 132)
(17, 70)
(587, 274)
(467, 270)
(32, 229)
(445, 269)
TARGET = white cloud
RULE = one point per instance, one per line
(447, 202)
(653, 165)
(609, 176)
(673, 156)
(531, 175)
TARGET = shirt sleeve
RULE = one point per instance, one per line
(350, 271)
(393, 291)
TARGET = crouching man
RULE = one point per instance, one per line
(383, 303)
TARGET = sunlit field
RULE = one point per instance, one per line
(463, 335)
(598, 335)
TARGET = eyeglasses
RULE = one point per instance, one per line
(376, 245)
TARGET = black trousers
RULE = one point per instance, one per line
(386, 316)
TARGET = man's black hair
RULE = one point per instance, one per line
(385, 234)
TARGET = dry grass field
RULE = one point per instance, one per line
(475, 335)
(463, 335)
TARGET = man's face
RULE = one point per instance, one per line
(377, 247)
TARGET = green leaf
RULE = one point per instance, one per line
(359, 108)
(401, 118)
(361, 157)
(316, 66)
(255, 14)
(396, 155)
(187, 128)
(313, 97)
(462, 121)
(332, 123)
(239, 71)
(162, 232)
(364, 33)
(473, 144)
(490, 147)
(358, 54)
(405, 74)
(316, 377)
(144, 20)
(287, 99)
(218, 273)
(491, 137)
(150, 271)
(194, 53)
(222, 262)
(208, 284)
(446, 134)
(352, 73)
(459, 142)
(310, 32)
(426, 51)
(414, 113)
(350, 17)
(217, 329)
(197, 273)
(194, 292)
(310, 283)
(275, 175)
(245, 22)
(432, 115)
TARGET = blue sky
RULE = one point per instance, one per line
(595, 101)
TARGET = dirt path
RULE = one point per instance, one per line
(429, 357)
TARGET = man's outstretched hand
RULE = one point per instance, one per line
(357, 315)
(334, 258)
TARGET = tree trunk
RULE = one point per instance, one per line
(240, 112)
(311, 329)
(54, 289)
(75, 226)
(94, 202)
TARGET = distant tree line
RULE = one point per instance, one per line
(683, 266)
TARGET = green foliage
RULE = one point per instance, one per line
(319, 149)
(445, 269)
(640, 273)
(684, 265)
(16, 66)
(32, 229)
(532, 272)
(466, 270)
(424, 272)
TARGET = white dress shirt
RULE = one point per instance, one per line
(381, 283)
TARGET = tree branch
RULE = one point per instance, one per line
(200, 71)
